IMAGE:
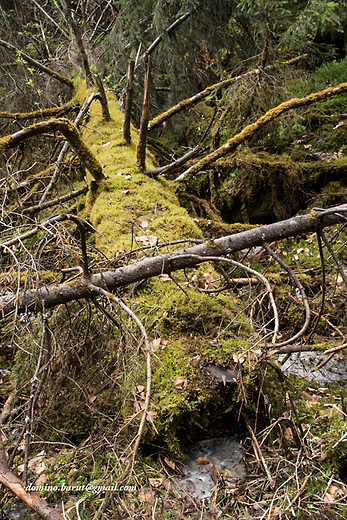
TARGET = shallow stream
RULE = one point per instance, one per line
(208, 461)
(302, 364)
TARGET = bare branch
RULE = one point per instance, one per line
(69, 131)
(156, 42)
(38, 65)
(204, 93)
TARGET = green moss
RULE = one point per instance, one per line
(128, 197)
(5, 143)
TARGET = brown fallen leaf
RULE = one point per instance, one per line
(170, 463)
(202, 461)
(156, 482)
(276, 512)
(151, 415)
(155, 344)
(180, 382)
(333, 493)
(288, 434)
(146, 495)
(147, 240)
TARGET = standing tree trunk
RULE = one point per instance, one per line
(129, 101)
(141, 148)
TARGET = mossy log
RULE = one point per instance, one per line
(254, 128)
(150, 267)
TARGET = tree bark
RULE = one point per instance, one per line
(128, 102)
(141, 147)
(44, 112)
(77, 33)
(54, 295)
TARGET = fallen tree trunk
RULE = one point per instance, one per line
(53, 295)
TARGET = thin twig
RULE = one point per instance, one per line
(147, 350)
(302, 293)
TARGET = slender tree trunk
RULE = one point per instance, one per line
(141, 148)
(128, 101)
(103, 99)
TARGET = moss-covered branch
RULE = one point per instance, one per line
(254, 128)
(69, 131)
(38, 65)
(44, 112)
(204, 93)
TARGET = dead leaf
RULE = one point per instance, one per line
(240, 490)
(165, 278)
(338, 125)
(199, 283)
(307, 146)
(167, 484)
(156, 482)
(33, 462)
(288, 434)
(40, 468)
(92, 398)
(151, 416)
(180, 382)
(106, 144)
(41, 480)
(208, 278)
(147, 240)
(239, 358)
(275, 513)
(125, 192)
(143, 223)
(140, 388)
(146, 495)
(155, 344)
(202, 461)
(334, 492)
(170, 463)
